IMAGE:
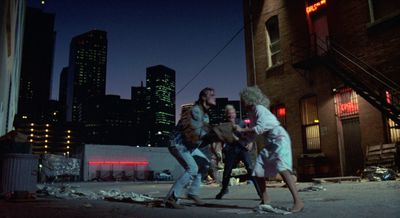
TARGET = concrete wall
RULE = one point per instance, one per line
(159, 159)
(11, 34)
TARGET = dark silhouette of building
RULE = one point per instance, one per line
(140, 98)
(37, 63)
(51, 138)
(161, 87)
(217, 112)
(86, 72)
(62, 94)
(109, 120)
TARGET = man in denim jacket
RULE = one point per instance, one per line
(189, 135)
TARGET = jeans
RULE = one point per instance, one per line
(233, 154)
(185, 157)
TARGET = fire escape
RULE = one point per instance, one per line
(375, 87)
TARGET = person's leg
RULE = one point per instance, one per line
(259, 173)
(245, 157)
(202, 164)
(298, 204)
(184, 157)
(265, 199)
(230, 160)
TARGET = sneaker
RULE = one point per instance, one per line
(196, 199)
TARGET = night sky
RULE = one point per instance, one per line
(182, 35)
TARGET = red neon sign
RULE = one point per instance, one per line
(281, 112)
(388, 97)
(118, 163)
(315, 6)
(348, 108)
(247, 121)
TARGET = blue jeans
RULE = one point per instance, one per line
(191, 174)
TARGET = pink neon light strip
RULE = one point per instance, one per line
(119, 162)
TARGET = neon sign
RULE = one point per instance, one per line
(388, 98)
(348, 108)
(281, 112)
(314, 7)
(118, 163)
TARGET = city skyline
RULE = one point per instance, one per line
(150, 33)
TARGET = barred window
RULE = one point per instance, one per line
(310, 124)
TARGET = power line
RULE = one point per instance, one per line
(211, 60)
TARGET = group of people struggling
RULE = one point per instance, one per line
(193, 132)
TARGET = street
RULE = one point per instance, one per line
(346, 199)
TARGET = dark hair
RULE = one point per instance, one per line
(203, 93)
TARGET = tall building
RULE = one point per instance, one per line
(62, 93)
(217, 112)
(37, 63)
(140, 98)
(330, 69)
(110, 120)
(86, 72)
(11, 43)
(160, 83)
(51, 138)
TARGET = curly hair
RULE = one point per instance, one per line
(253, 96)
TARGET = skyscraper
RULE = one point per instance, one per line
(37, 63)
(161, 87)
(62, 94)
(140, 98)
(86, 71)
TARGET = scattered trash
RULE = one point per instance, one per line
(87, 205)
(124, 196)
(262, 208)
(69, 192)
(57, 165)
(373, 173)
(236, 211)
(313, 188)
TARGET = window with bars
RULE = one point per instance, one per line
(394, 131)
(279, 111)
(346, 103)
(273, 41)
(310, 124)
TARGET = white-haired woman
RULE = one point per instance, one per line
(276, 156)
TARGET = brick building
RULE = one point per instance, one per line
(331, 70)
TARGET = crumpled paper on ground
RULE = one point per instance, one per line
(374, 173)
(313, 188)
(262, 208)
(70, 192)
